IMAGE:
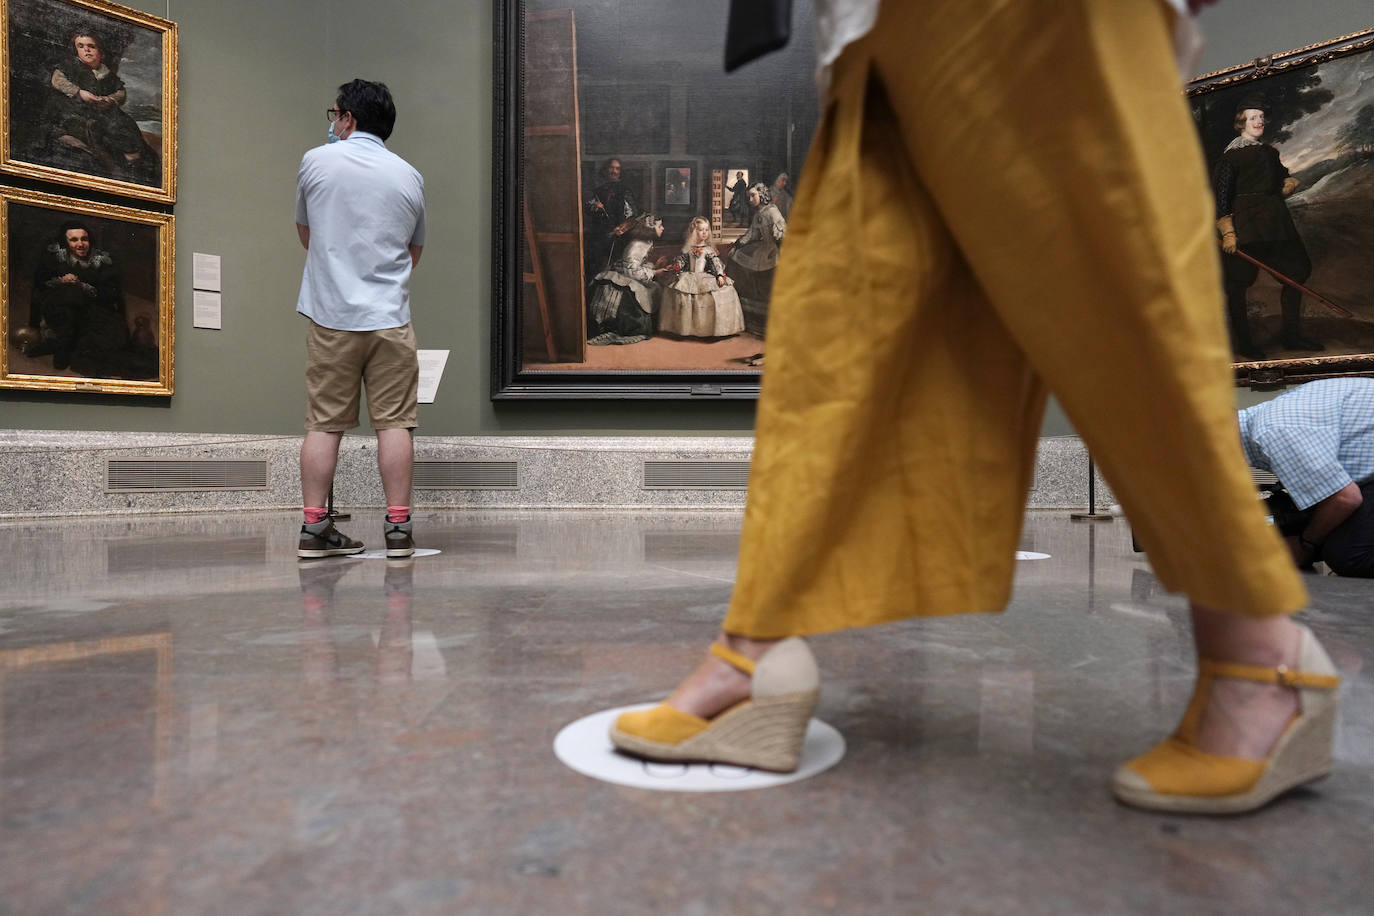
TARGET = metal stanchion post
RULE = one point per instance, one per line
(1092, 515)
(330, 511)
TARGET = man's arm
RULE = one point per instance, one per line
(415, 255)
(304, 233)
(1327, 515)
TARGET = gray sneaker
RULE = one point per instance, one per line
(399, 543)
(322, 539)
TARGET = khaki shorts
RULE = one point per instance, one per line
(338, 363)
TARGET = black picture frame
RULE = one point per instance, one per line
(780, 86)
(1319, 104)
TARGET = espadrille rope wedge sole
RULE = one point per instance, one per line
(764, 732)
(1177, 776)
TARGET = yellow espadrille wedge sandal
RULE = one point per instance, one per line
(1176, 776)
(764, 731)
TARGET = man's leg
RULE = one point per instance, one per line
(396, 462)
(392, 377)
(1290, 258)
(1349, 550)
(332, 389)
(319, 457)
(319, 537)
(1238, 275)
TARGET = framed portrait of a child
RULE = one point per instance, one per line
(89, 96)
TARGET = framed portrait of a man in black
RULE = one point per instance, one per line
(89, 96)
(86, 296)
(626, 264)
(1289, 145)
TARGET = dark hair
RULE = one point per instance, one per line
(94, 36)
(371, 106)
(606, 166)
(68, 226)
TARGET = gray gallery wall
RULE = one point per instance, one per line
(255, 79)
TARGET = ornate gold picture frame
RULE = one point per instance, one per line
(86, 296)
(88, 96)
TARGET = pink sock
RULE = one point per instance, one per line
(313, 515)
(396, 514)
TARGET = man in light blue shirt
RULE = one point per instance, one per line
(1318, 439)
(360, 214)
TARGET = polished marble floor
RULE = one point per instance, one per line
(191, 721)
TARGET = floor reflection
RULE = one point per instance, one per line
(375, 736)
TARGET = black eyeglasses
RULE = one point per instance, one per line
(333, 114)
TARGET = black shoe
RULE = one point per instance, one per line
(322, 539)
(1301, 342)
(399, 543)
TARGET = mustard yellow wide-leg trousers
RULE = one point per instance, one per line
(1004, 199)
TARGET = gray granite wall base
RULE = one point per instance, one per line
(64, 473)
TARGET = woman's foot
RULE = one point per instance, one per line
(1261, 721)
(1245, 718)
(714, 685)
(731, 709)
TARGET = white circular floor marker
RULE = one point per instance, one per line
(380, 554)
(584, 746)
(1031, 555)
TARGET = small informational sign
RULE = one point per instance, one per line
(431, 373)
(206, 309)
(205, 271)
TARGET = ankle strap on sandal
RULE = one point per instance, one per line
(733, 658)
(1281, 675)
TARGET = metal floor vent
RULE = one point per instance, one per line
(696, 475)
(466, 475)
(153, 475)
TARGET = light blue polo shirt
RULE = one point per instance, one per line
(365, 206)
(1316, 439)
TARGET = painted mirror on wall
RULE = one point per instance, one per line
(85, 296)
(89, 96)
(636, 212)
(1289, 142)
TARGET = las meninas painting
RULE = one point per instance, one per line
(652, 198)
(1290, 145)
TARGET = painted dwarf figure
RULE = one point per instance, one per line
(87, 114)
(73, 286)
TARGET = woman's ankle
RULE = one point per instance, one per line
(747, 646)
(1231, 637)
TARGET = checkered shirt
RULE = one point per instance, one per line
(1316, 439)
